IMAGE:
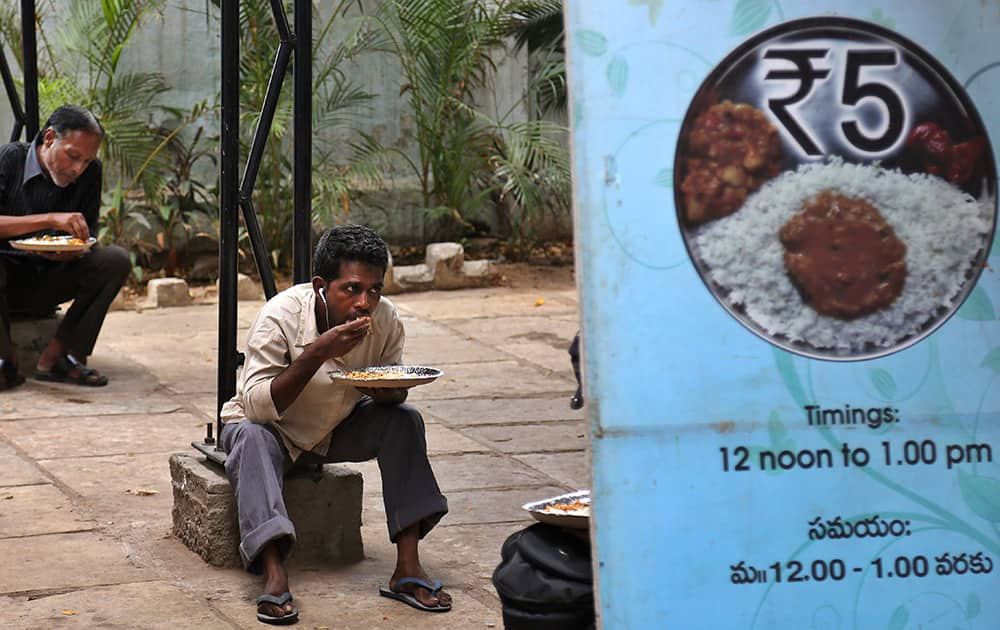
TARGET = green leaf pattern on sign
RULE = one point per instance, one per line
(879, 17)
(978, 307)
(883, 382)
(618, 75)
(992, 360)
(900, 617)
(665, 178)
(786, 368)
(981, 494)
(592, 43)
(778, 434)
(973, 606)
(654, 8)
(748, 16)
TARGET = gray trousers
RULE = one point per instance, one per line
(34, 286)
(392, 434)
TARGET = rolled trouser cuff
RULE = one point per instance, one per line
(278, 529)
(427, 513)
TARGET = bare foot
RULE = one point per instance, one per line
(424, 596)
(275, 582)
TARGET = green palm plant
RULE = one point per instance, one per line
(468, 161)
(538, 26)
(336, 103)
(85, 67)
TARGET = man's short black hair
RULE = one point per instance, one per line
(69, 118)
(348, 243)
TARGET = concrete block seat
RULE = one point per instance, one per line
(324, 505)
(31, 332)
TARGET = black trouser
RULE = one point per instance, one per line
(35, 286)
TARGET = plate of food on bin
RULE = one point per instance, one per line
(566, 510)
(387, 376)
(53, 243)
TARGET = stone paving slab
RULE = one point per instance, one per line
(416, 327)
(130, 390)
(146, 605)
(57, 562)
(48, 438)
(41, 509)
(442, 440)
(433, 351)
(551, 436)
(557, 330)
(475, 547)
(16, 471)
(475, 507)
(543, 355)
(442, 306)
(572, 468)
(185, 364)
(347, 598)
(494, 410)
(116, 484)
(480, 471)
(497, 379)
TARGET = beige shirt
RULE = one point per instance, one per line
(285, 326)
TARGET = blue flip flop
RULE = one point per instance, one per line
(279, 601)
(409, 598)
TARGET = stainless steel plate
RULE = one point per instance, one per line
(387, 376)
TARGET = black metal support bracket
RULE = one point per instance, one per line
(28, 115)
(235, 196)
(302, 133)
(12, 96)
(29, 48)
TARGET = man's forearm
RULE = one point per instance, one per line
(18, 225)
(287, 386)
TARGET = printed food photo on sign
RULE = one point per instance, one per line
(835, 188)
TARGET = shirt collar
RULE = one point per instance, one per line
(32, 167)
(308, 332)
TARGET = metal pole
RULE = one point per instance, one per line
(29, 48)
(229, 202)
(12, 96)
(302, 196)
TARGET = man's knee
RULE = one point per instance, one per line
(112, 262)
(249, 434)
(407, 416)
(249, 437)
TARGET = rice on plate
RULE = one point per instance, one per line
(945, 231)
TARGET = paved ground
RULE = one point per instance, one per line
(84, 546)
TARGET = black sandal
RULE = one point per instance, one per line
(60, 372)
(11, 378)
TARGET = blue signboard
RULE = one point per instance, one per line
(786, 215)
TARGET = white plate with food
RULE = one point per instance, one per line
(835, 230)
(387, 376)
(566, 510)
(53, 244)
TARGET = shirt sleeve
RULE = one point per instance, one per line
(9, 174)
(266, 357)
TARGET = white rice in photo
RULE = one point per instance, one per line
(944, 230)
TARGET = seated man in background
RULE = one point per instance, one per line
(53, 186)
(287, 410)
